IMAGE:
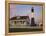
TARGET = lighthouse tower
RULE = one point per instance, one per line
(32, 17)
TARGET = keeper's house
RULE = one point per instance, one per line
(19, 20)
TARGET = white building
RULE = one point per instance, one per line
(19, 20)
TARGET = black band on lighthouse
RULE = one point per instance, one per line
(32, 10)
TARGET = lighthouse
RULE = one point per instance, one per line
(32, 17)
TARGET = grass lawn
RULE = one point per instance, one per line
(24, 29)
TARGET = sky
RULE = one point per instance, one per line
(24, 10)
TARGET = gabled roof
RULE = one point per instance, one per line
(21, 17)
